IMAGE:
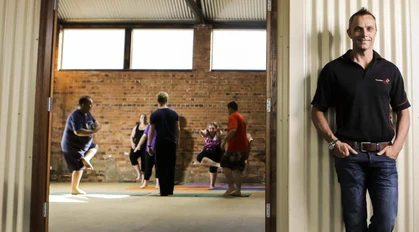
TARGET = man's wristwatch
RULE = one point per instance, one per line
(333, 144)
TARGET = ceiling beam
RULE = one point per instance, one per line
(148, 24)
(196, 8)
(166, 24)
(237, 24)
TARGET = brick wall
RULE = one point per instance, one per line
(199, 96)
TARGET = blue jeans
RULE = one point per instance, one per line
(376, 174)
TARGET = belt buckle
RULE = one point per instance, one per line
(362, 145)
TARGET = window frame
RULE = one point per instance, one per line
(235, 70)
(165, 69)
(61, 49)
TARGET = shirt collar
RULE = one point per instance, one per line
(347, 56)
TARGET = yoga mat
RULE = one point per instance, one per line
(103, 193)
(199, 195)
(246, 189)
(198, 188)
(222, 184)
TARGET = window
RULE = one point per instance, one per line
(238, 50)
(170, 49)
(92, 49)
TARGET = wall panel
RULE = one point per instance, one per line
(19, 23)
(317, 35)
(414, 83)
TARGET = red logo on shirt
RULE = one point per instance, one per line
(385, 81)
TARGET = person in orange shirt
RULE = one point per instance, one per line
(234, 158)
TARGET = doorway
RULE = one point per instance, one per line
(40, 177)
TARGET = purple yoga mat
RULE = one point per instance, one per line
(202, 184)
(245, 189)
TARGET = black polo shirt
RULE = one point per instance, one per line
(363, 98)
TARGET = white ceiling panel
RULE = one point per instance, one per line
(123, 10)
(164, 11)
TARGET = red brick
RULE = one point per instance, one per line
(199, 96)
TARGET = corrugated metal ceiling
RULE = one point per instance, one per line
(123, 10)
(234, 10)
(97, 11)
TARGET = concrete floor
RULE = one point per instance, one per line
(124, 207)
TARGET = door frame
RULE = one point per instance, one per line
(271, 117)
(42, 118)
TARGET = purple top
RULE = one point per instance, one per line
(212, 142)
(153, 143)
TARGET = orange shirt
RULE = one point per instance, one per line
(238, 143)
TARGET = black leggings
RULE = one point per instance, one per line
(213, 154)
(149, 164)
(133, 156)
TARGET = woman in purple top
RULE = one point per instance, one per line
(211, 154)
(149, 160)
(138, 151)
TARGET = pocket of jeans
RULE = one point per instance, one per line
(340, 159)
(388, 157)
(346, 157)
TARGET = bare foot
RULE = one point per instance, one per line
(236, 194)
(211, 187)
(77, 192)
(145, 184)
(140, 176)
(86, 163)
(229, 191)
(157, 184)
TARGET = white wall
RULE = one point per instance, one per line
(312, 33)
(19, 23)
(413, 88)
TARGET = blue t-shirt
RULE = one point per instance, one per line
(76, 121)
(164, 120)
(153, 142)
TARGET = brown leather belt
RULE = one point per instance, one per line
(367, 146)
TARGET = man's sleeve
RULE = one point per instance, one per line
(76, 122)
(232, 123)
(153, 118)
(323, 98)
(398, 97)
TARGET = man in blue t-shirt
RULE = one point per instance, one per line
(165, 122)
(77, 142)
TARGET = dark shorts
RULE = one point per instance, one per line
(234, 160)
(73, 159)
(213, 154)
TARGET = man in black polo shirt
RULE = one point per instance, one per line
(364, 88)
(165, 123)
